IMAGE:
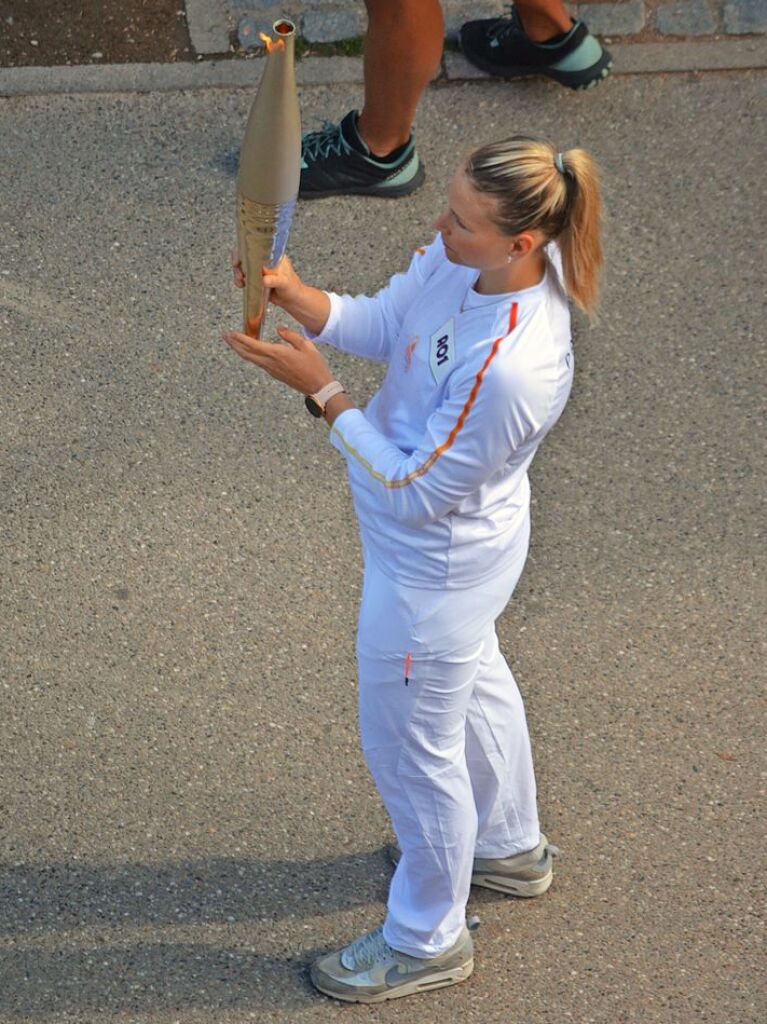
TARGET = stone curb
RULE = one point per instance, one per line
(214, 74)
(630, 59)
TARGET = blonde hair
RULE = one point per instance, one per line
(555, 193)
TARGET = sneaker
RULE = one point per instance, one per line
(370, 971)
(524, 874)
(336, 161)
(501, 47)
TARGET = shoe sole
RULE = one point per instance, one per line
(380, 191)
(524, 888)
(437, 980)
(512, 886)
(577, 80)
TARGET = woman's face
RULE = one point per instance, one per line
(468, 230)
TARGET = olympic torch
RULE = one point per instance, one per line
(269, 172)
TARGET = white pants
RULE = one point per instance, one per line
(448, 749)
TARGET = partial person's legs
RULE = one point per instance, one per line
(403, 47)
(374, 154)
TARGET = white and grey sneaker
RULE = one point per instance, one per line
(370, 971)
(525, 874)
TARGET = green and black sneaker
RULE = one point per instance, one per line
(335, 161)
(501, 47)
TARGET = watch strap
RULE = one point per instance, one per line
(323, 396)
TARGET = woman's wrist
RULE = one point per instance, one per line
(336, 405)
(316, 304)
(311, 308)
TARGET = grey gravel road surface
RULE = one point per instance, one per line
(186, 818)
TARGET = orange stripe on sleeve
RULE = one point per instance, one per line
(448, 444)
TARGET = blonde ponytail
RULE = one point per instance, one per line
(556, 193)
(580, 239)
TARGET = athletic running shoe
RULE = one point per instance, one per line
(501, 47)
(336, 161)
(370, 971)
(524, 874)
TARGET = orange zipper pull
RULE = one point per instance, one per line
(408, 663)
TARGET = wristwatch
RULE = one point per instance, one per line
(316, 403)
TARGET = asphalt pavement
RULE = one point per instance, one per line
(186, 819)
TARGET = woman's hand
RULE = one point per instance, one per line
(310, 306)
(299, 363)
(284, 284)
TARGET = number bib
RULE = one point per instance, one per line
(442, 350)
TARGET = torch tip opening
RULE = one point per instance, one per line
(284, 27)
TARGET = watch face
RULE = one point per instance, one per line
(314, 407)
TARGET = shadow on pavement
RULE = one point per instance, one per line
(224, 890)
(107, 977)
(149, 977)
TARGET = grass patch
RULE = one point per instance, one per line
(339, 48)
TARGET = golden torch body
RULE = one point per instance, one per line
(269, 173)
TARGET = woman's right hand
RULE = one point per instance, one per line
(310, 306)
(283, 282)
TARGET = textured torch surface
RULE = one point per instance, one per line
(269, 173)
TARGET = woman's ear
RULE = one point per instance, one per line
(523, 244)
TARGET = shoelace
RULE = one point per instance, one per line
(371, 948)
(328, 141)
(505, 25)
(366, 950)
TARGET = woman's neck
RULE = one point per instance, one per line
(513, 277)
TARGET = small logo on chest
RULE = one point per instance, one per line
(409, 350)
(442, 350)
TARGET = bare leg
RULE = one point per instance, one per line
(402, 50)
(542, 19)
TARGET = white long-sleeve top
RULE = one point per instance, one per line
(438, 460)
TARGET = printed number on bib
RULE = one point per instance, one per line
(442, 351)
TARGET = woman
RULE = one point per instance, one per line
(476, 335)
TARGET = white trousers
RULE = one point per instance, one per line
(444, 734)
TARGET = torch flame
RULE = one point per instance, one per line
(270, 43)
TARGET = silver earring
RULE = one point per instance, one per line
(509, 258)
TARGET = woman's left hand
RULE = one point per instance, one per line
(299, 364)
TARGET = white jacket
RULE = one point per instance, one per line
(438, 460)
